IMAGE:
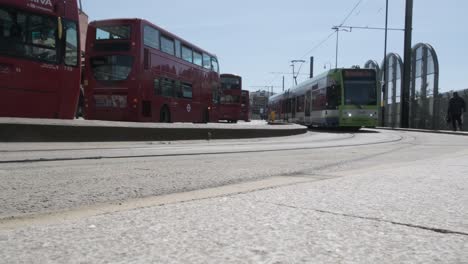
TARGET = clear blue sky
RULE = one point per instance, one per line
(257, 37)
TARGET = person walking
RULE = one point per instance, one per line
(457, 107)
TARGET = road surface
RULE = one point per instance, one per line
(370, 197)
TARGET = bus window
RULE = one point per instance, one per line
(187, 90)
(25, 35)
(157, 87)
(167, 45)
(71, 46)
(197, 58)
(151, 37)
(121, 32)
(177, 48)
(206, 61)
(167, 87)
(187, 54)
(214, 65)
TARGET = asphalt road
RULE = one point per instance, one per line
(368, 197)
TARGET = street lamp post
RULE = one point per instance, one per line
(338, 29)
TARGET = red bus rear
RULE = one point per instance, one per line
(39, 58)
(245, 106)
(230, 103)
(136, 71)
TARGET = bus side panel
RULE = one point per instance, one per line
(28, 89)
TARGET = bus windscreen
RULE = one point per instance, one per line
(111, 68)
(230, 83)
(28, 35)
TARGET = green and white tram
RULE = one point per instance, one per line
(337, 98)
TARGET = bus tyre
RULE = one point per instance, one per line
(206, 116)
(80, 106)
(165, 115)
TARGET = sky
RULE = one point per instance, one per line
(258, 39)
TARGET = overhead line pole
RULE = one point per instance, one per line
(384, 85)
(336, 54)
(407, 65)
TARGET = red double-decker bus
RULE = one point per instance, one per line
(39, 58)
(136, 71)
(230, 102)
(245, 106)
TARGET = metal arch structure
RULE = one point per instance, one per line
(425, 109)
(424, 88)
(391, 95)
(372, 64)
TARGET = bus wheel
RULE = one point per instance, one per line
(80, 106)
(206, 116)
(165, 115)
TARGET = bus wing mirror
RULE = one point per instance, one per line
(60, 28)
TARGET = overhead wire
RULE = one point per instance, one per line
(358, 3)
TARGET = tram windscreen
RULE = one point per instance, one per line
(360, 87)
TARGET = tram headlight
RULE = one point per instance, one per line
(350, 115)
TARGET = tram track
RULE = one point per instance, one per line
(110, 157)
(172, 144)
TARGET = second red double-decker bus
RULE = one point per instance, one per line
(245, 106)
(136, 71)
(230, 102)
(39, 58)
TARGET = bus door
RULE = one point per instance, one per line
(71, 73)
(185, 107)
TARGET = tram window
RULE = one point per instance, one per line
(298, 104)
